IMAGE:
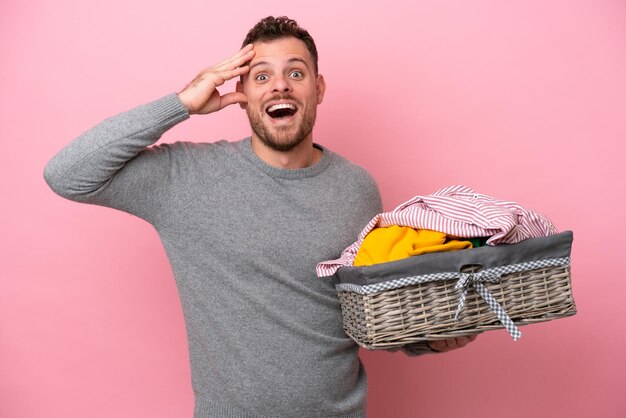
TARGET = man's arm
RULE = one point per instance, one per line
(109, 164)
(83, 170)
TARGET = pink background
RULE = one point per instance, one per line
(523, 101)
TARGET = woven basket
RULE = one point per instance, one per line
(426, 311)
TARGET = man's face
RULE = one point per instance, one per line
(283, 93)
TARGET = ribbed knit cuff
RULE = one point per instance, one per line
(167, 111)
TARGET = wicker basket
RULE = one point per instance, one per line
(417, 299)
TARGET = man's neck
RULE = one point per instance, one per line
(304, 155)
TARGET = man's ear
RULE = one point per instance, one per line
(239, 89)
(321, 88)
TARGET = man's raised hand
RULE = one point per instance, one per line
(201, 95)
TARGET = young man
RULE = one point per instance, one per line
(244, 225)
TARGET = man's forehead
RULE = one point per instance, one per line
(281, 51)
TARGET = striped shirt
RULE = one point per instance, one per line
(458, 211)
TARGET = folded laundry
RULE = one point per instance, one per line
(457, 211)
(395, 242)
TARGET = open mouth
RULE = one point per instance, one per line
(281, 110)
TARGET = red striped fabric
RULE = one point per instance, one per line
(457, 211)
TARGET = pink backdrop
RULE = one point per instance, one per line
(520, 100)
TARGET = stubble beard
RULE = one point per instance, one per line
(279, 138)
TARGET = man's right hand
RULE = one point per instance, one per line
(201, 95)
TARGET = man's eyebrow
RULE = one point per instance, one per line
(290, 60)
(296, 59)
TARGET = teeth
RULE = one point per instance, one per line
(281, 106)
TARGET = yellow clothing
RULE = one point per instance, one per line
(397, 242)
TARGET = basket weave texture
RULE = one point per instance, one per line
(426, 311)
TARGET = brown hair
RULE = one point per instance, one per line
(272, 28)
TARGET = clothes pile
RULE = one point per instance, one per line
(453, 218)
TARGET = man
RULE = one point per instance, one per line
(244, 224)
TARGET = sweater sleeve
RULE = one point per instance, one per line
(110, 164)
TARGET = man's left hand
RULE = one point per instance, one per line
(451, 343)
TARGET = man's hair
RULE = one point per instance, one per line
(272, 28)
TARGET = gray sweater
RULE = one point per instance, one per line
(243, 238)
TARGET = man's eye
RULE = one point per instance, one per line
(261, 77)
(296, 74)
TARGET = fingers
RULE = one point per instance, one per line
(221, 77)
(244, 55)
(209, 79)
(439, 345)
(451, 343)
(463, 341)
(201, 95)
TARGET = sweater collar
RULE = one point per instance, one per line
(245, 146)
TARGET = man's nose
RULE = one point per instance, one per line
(281, 84)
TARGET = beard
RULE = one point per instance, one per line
(282, 138)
